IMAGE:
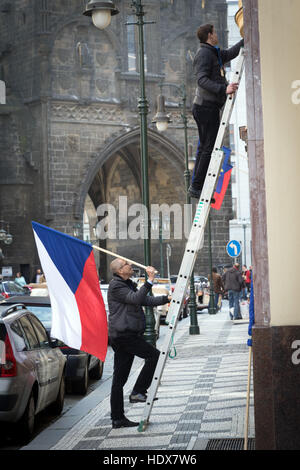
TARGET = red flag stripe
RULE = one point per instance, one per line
(92, 312)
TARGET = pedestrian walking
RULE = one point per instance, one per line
(211, 93)
(245, 274)
(36, 277)
(126, 325)
(218, 287)
(233, 283)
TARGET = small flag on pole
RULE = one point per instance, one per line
(223, 180)
(78, 311)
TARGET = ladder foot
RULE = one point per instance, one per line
(142, 426)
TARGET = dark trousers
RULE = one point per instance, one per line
(208, 122)
(125, 348)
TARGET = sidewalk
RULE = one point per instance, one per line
(202, 396)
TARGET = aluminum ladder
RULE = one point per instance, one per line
(194, 244)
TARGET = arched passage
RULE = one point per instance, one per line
(114, 184)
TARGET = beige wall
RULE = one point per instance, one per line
(279, 27)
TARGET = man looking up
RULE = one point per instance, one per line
(126, 325)
(212, 90)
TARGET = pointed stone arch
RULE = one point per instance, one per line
(169, 151)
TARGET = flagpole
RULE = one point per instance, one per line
(119, 256)
(248, 398)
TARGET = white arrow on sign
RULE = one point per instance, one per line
(232, 245)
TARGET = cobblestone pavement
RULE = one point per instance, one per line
(202, 396)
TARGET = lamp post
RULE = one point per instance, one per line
(245, 247)
(211, 306)
(99, 11)
(162, 120)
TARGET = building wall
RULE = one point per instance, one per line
(72, 109)
(273, 115)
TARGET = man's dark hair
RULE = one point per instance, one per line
(203, 31)
(214, 270)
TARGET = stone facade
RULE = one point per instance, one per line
(70, 128)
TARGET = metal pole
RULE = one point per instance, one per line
(211, 306)
(168, 260)
(245, 259)
(150, 335)
(162, 272)
(194, 328)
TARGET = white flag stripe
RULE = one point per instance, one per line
(66, 325)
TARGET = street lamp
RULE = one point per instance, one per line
(101, 13)
(245, 224)
(5, 236)
(92, 9)
(162, 119)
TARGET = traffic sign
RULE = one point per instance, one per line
(233, 248)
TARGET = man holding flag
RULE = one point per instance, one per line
(126, 327)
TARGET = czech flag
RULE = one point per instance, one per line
(223, 180)
(78, 311)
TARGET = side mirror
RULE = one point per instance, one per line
(53, 343)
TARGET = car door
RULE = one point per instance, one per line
(39, 361)
(51, 358)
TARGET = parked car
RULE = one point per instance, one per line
(32, 369)
(80, 365)
(203, 280)
(10, 288)
(161, 286)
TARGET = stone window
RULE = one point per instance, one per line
(132, 46)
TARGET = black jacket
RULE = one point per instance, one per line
(125, 301)
(207, 68)
(233, 280)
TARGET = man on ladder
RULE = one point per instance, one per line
(211, 92)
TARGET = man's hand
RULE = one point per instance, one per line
(232, 88)
(151, 273)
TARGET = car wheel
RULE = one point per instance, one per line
(97, 371)
(26, 424)
(81, 386)
(57, 406)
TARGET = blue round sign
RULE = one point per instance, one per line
(233, 248)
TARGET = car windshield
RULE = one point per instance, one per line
(12, 287)
(43, 312)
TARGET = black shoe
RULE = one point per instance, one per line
(123, 423)
(212, 201)
(196, 193)
(137, 398)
